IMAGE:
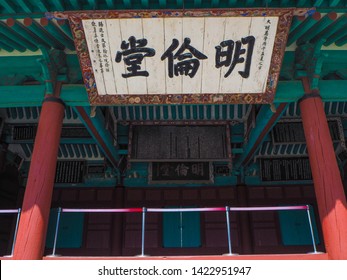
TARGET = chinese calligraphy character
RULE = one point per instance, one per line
(232, 55)
(182, 170)
(265, 38)
(198, 169)
(187, 65)
(133, 54)
(165, 169)
(99, 43)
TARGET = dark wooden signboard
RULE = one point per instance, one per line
(180, 172)
(292, 131)
(69, 171)
(179, 143)
(285, 169)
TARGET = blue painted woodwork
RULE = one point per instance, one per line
(256, 137)
(181, 230)
(70, 234)
(95, 124)
(295, 229)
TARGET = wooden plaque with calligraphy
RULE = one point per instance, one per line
(180, 172)
(181, 56)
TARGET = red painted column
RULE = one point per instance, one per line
(33, 223)
(327, 180)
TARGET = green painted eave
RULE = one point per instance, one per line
(76, 95)
(33, 95)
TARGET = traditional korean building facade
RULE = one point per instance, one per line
(67, 165)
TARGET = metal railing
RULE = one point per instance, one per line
(13, 211)
(145, 210)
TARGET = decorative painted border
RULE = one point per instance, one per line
(285, 18)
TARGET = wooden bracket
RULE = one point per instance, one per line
(51, 63)
(308, 62)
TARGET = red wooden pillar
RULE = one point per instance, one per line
(33, 223)
(327, 180)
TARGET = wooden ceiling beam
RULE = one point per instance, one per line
(59, 5)
(16, 37)
(25, 6)
(93, 4)
(12, 43)
(25, 32)
(76, 4)
(8, 5)
(336, 36)
(64, 24)
(6, 47)
(340, 42)
(110, 4)
(145, 3)
(265, 120)
(335, 29)
(57, 33)
(317, 28)
(162, 3)
(333, 3)
(297, 20)
(127, 3)
(303, 27)
(36, 28)
(42, 5)
(94, 122)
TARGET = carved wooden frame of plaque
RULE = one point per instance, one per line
(284, 21)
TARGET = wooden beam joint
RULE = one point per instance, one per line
(308, 62)
(51, 63)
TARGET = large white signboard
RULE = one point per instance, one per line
(177, 57)
(181, 55)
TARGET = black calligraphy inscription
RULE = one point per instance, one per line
(180, 171)
(133, 54)
(186, 65)
(100, 43)
(263, 46)
(229, 54)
